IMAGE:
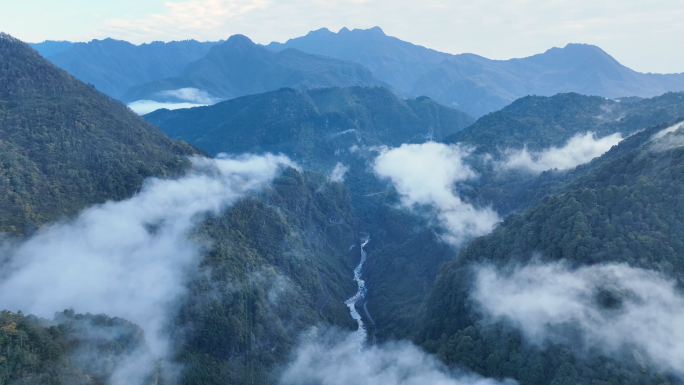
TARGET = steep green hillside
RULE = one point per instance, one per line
(321, 127)
(64, 145)
(71, 349)
(239, 67)
(279, 264)
(311, 126)
(625, 206)
(540, 122)
(276, 263)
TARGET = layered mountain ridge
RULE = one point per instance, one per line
(239, 67)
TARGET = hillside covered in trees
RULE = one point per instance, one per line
(624, 207)
(65, 146)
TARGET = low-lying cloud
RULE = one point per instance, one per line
(192, 95)
(580, 149)
(426, 174)
(668, 130)
(338, 172)
(129, 258)
(142, 107)
(336, 360)
(668, 138)
(614, 306)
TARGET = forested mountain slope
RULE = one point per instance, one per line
(623, 207)
(394, 61)
(546, 127)
(65, 145)
(311, 126)
(113, 66)
(72, 348)
(239, 67)
(280, 264)
(319, 128)
(276, 263)
(539, 122)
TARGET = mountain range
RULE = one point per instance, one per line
(113, 66)
(392, 60)
(238, 67)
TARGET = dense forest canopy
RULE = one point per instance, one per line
(65, 146)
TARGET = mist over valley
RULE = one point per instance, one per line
(335, 208)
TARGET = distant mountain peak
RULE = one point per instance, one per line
(325, 32)
(239, 39)
(376, 29)
(320, 32)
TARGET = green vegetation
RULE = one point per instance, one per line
(279, 261)
(72, 349)
(65, 146)
(539, 122)
(263, 283)
(314, 127)
(625, 206)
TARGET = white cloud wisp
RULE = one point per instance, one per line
(173, 100)
(130, 258)
(426, 174)
(338, 172)
(189, 94)
(615, 306)
(338, 361)
(580, 149)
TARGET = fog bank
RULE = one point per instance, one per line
(614, 307)
(426, 174)
(130, 258)
(580, 149)
(335, 359)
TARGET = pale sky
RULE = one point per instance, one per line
(647, 36)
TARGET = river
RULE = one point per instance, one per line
(361, 332)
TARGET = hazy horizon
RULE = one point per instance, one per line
(638, 35)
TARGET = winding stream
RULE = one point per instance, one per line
(361, 333)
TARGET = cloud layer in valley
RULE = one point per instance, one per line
(142, 107)
(614, 306)
(426, 174)
(580, 149)
(129, 258)
(189, 94)
(336, 360)
(174, 99)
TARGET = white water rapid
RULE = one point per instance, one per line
(361, 333)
